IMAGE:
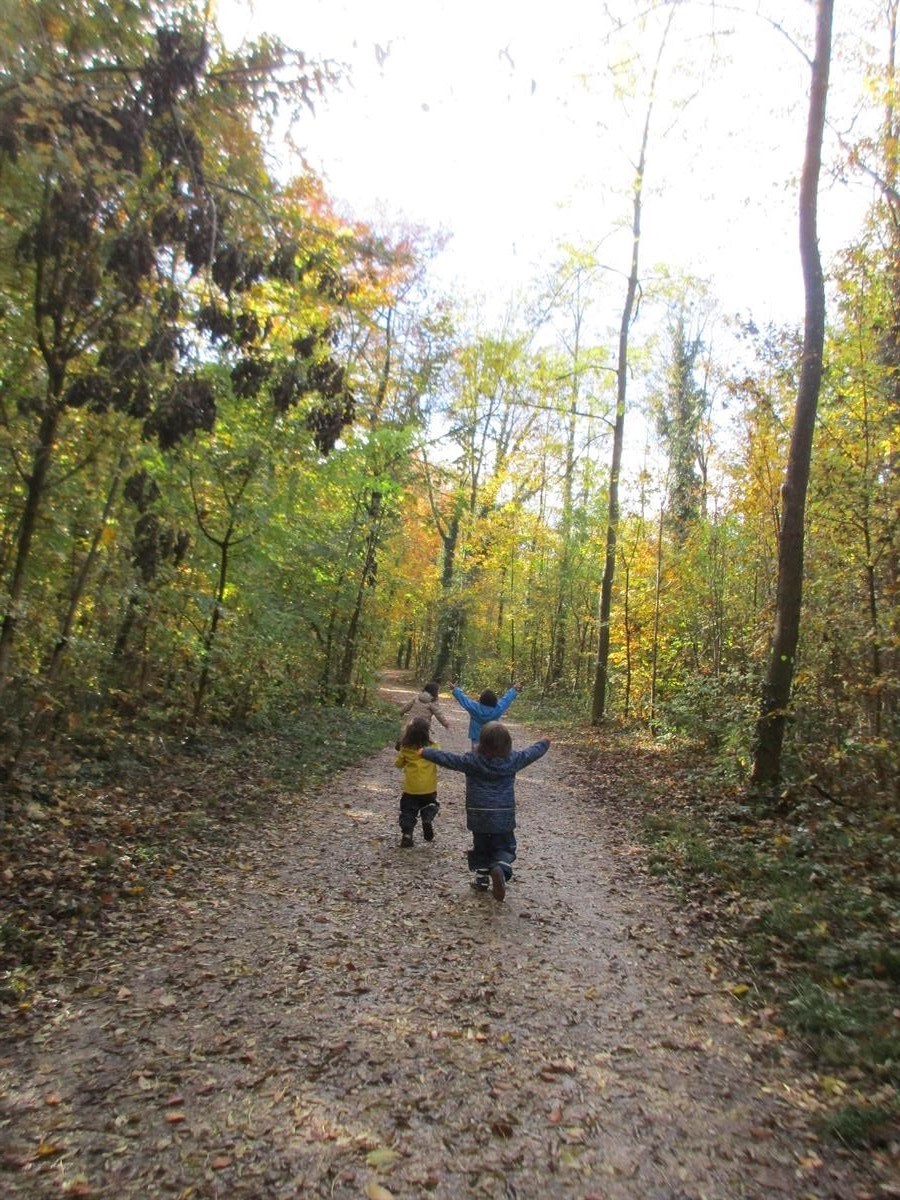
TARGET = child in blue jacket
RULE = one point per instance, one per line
(491, 800)
(486, 708)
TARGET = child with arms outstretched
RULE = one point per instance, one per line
(486, 708)
(490, 800)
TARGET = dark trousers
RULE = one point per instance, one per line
(410, 807)
(493, 850)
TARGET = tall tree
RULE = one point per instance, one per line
(681, 407)
(770, 726)
(488, 428)
(136, 223)
(601, 675)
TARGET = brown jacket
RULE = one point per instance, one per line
(424, 705)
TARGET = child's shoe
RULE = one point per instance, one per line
(482, 881)
(406, 841)
(498, 883)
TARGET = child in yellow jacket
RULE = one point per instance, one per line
(419, 797)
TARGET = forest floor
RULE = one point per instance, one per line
(323, 1014)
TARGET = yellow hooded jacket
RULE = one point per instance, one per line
(419, 775)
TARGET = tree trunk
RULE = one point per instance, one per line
(366, 580)
(601, 678)
(210, 636)
(777, 688)
(34, 495)
(451, 616)
(65, 632)
(626, 616)
(561, 615)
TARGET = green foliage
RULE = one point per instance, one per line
(810, 899)
(320, 741)
(715, 711)
(859, 1125)
(181, 490)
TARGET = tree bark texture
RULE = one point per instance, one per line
(770, 727)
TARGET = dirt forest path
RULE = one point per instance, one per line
(345, 1019)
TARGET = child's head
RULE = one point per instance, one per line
(488, 698)
(495, 740)
(432, 689)
(416, 734)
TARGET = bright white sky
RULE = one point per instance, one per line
(496, 121)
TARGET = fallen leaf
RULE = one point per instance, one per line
(376, 1192)
(382, 1159)
(831, 1085)
(77, 1187)
(48, 1149)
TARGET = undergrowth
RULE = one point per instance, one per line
(808, 892)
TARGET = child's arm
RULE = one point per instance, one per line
(505, 701)
(443, 758)
(407, 707)
(524, 758)
(436, 712)
(470, 705)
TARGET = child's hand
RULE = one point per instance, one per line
(419, 751)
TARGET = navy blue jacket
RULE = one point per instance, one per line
(490, 784)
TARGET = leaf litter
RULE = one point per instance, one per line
(318, 1013)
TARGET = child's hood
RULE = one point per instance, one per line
(409, 754)
(496, 766)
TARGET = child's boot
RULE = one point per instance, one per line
(406, 840)
(428, 812)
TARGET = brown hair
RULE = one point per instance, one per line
(416, 734)
(432, 689)
(488, 698)
(495, 740)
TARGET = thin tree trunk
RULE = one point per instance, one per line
(65, 631)
(770, 726)
(656, 607)
(210, 636)
(367, 580)
(34, 495)
(874, 634)
(450, 615)
(601, 678)
(627, 619)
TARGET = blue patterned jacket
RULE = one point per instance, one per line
(490, 784)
